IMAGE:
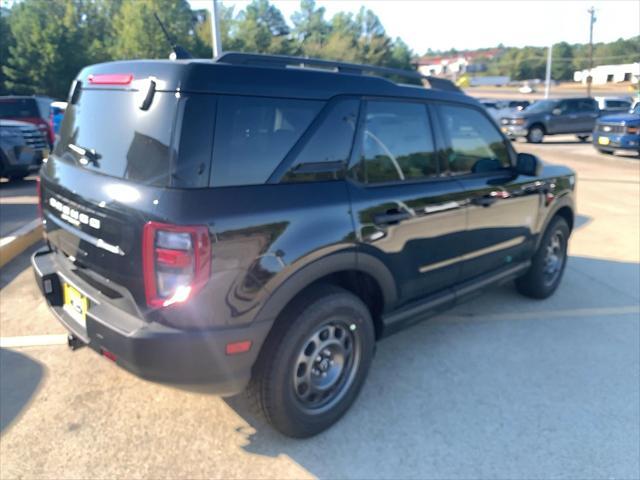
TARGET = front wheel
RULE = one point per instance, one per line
(606, 152)
(548, 263)
(583, 138)
(535, 134)
(314, 363)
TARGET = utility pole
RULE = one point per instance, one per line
(592, 20)
(547, 79)
(215, 31)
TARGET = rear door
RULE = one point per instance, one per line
(501, 207)
(406, 212)
(586, 114)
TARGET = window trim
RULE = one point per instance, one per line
(285, 166)
(447, 139)
(356, 164)
(286, 156)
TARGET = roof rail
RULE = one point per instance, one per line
(286, 61)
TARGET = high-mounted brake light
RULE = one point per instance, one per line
(176, 262)
(111, 79)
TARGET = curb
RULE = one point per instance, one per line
(13, 245)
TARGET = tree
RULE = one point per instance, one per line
(6, 40)
(140, 36)
(374, 46)
(261, 28)
(227, 27)
(48, 50)
(562, 62)
(311, 30)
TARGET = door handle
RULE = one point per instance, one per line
(391, 217)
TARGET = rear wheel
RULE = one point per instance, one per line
(535, 134)
(314, 363)
(548, 263)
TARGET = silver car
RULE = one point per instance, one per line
(22, 148)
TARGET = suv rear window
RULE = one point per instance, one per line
(254, 134)
(107, 132)
(18, 108)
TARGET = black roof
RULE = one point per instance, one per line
(267, 75)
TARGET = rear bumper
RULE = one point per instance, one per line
(148, 349)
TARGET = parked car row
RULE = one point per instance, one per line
(28, 129)
(611, 121)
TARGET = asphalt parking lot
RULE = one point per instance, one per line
(18, 204)
(501, 387)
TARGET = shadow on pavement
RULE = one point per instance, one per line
(500, 387)
(25, 186)
(20, 377)
(18, 265)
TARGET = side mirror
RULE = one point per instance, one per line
(527, 164)
(556, 111)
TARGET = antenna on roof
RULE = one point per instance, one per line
(178, 53)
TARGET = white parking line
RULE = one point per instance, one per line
(33, 341)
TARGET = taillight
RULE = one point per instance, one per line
(176, 262)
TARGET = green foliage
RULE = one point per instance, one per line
(140, 36)
(562, 68)
(6, 40)
(44, 43)
(44, 54)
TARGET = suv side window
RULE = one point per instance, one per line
(569, 106)
(475, 145)
(586, 105)
(253, 135)
(397, 144)
(330, 143)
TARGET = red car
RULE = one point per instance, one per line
(30, 109)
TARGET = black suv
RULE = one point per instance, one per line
(261, 221)
(554, 116)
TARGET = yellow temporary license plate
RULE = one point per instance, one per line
(75, 304)
(603, 140)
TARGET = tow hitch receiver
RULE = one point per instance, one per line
(74, 342)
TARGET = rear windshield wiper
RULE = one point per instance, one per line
(87, 155)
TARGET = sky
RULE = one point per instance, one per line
(464, 24)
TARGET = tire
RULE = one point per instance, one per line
(535, 134)
(583, 138)
(606, 152)
(314, 362)
(544, 275)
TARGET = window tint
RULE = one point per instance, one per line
(106, 131)
(196, 141)
(397, 143)
(254, 134)
(617, 104)
(18, 108)
(475, 144)
(330, 142)
(585, 105)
